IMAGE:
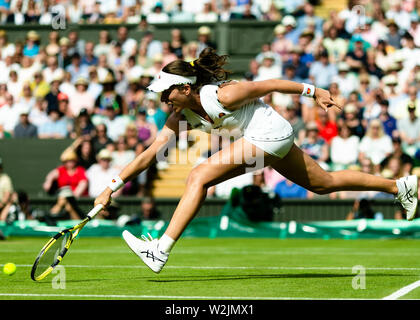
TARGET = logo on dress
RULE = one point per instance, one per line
(308, 91)
(221, 114)
(113, 181)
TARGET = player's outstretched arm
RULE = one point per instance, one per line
(236, 95)
(143, 160)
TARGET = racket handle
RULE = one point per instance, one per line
(92, 213)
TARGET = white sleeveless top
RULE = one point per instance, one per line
(255, 120)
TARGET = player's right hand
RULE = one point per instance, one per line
(104, 198)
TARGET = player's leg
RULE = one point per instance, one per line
(303, 170)
(223, 165)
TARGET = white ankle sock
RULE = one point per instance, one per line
(166, 243)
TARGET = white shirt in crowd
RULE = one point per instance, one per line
(376, 149)
(98, 178)
(344, 151)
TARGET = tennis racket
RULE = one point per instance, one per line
(55, 249)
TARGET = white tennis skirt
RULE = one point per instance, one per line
(279, 148)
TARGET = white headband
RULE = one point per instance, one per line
(165, 80)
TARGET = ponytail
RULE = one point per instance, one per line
(208, 68)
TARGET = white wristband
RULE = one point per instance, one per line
(308, 90)
(116, 183)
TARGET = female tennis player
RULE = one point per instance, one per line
(198, 95)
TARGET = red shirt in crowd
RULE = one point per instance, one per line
(65, 179)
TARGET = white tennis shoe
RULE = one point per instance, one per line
(408, 195)
(147, 250)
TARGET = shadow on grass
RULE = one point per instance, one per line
(266, 276)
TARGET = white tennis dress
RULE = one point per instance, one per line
(256, 121)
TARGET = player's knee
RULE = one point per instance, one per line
(196, 178)
(324, 186)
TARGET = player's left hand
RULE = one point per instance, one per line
(324, 99)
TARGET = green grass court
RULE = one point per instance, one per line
(105, 268)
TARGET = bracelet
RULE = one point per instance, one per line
(116, 183)
(308, 90)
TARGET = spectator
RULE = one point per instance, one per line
(406, 161)
(54, 128)
(291, 115)
(128, 45)
(76, 45)
(322, 71)
(104, 46)
(375, 145)
(51, 97)
(280, 44)
(388, 121)
(344, 149)
(352, 120)
(94, 88)
(362, 209)
(39, 86)
(336, 46)
(204, 39)
(409, 130)
(6, 48)
(18, 209)
(155, 113)
(89, 57)
(327, 128)
(25, 129)
(207, 15)
(292, 33)
(81, 98)
(69, 174)
(64, 58)
(287, 189)
(158, 15)
(38, 114)
(147, 131)
(101, 139)
(52, 48)
(268, 68)
(100, 173)
(31, 48)
(83, 125)
(52, 71)
(6, 190)
(115, 123)
(14, 86)
(8, 115)
(132, 139)
(149, 210)
(315, 146)
(122, 155)
(76, 69)
(109, 98)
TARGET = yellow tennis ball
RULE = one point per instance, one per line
(9, 268)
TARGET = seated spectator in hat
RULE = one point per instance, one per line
(155, 112)
(204, 39)
(99, 174)
(54, 128)
(409, 131)
(7, 48)
(375, 145)
(344, 149)
(64, 57)
(114, 122)
(280, 44)
(292, 32)
(68, 174)
(357, 57)
(81, 98)
(109, 98)
(268, 69)
(31, 48)
(25, 129)
(158, 15)
(407, 162)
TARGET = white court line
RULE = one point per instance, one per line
(403, 291)
(229, 267)
(122, 296)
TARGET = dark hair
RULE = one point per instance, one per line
(207, 68)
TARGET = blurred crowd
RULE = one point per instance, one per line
(95, 92)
